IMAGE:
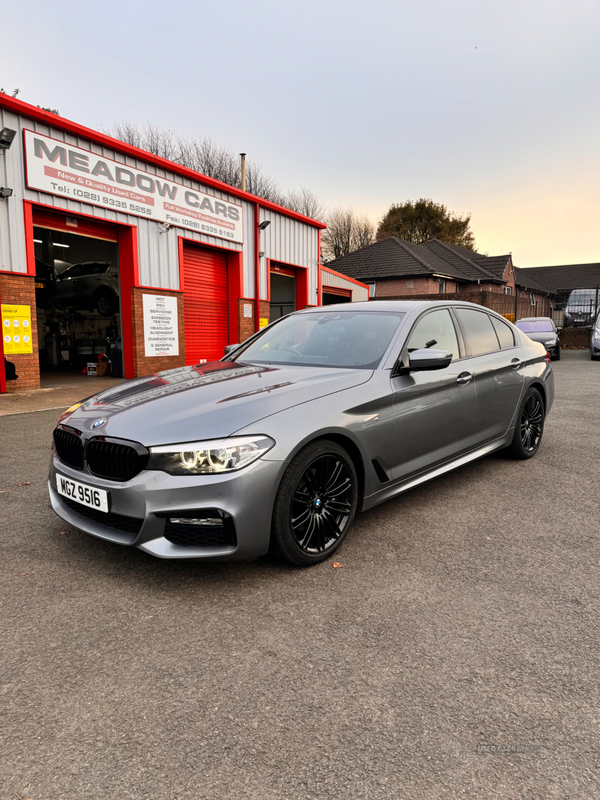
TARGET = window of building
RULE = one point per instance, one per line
(371, 289)
(442, 286)
(507, 290)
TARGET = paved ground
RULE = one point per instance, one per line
(466, 614)
(58, 389)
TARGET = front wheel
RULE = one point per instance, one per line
(315, 504)
(529, 427)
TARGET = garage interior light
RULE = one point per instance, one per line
(38, 241)
(58, 244)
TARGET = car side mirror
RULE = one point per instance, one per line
(559, 327)
(230, 347)
(589, 327)
(427, 359)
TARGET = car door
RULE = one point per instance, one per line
(496, 365)
(67, 282)
(433, 410)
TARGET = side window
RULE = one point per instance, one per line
(479, 331)
(73, 272)
(504, 332)
(436, 330)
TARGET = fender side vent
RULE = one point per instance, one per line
(381, 473)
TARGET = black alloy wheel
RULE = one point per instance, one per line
(106, 303)
(315, 504)
(529, 427)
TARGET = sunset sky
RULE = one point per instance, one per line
(490, 108)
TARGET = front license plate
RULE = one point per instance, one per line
(86, 495)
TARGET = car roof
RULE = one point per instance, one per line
(394, 305)
(533, 319)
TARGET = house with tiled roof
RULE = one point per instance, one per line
(395, 268)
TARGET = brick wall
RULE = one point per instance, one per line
(245, 324)
(265, 309)
(502, 303)
(145, 365)
(405, 287)
(575, 338)
(20, 290)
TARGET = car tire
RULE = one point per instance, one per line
(557, 356)
(315, 504)
(530, 426)
(106, 303)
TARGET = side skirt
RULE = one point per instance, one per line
(415, 480)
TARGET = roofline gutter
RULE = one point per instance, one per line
(53, 120)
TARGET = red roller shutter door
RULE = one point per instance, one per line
(205, 304)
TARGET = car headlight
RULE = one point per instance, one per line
(597, 334)
(204, 458)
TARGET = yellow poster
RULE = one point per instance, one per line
(263, 323)
(16, 329)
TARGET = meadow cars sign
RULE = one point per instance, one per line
(61, 169)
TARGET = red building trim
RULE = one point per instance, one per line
(301, 275)
(345, 277)
(29, 243)
(338, 291)
(2, 372)
(54, 121)
(235, 279)
(129, 277)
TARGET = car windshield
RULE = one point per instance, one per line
(355, 339)
(537, 325)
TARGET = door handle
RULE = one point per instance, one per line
(464, 377)
(516, 363)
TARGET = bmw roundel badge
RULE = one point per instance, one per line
(99, 422)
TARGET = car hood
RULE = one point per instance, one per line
(207, 401)
(541, 336)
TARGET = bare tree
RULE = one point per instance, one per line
(346, 232)
(202, 155)
(304, 202)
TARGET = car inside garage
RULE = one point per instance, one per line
(77, 298)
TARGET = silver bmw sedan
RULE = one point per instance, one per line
(326, 412)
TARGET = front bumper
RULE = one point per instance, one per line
(246, 496)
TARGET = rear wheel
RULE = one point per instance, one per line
(529, 427)
(557, 356)
(106, 303)
(315, 504)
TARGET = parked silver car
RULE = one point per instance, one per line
(90, 284)
(595, 340)
(325, 412)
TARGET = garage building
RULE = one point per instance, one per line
(105, 248)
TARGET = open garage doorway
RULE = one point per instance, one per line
(78, 293)
(282, 292)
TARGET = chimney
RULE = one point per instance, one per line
(243, 157)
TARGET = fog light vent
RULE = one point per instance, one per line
(201, 528)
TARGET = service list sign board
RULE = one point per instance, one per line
(160, 325)
(62, 169)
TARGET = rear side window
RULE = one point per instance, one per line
(479, 331)
(504, 332)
